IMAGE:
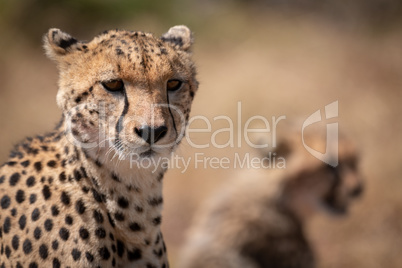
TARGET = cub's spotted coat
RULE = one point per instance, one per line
(71, 198)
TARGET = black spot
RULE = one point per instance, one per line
(56, 263)
(25, 163)
(22, 222)
(37, 233)
(65, 198)
(139, 209)
(122, 202)
(13, 212)
(110, 220)
(11, 163)
(114, 177)
(80, 206)
(8, 252)
(98, 197)
(33, 265)
(100, 232)
(30, 181)
(52, 163)
(76, 254)
(35, 214)
(77, 175)
(14, 179)
(133, 255)
(135, 227)
(2, 178)
(27, 246)
(20, 196)
(15, 242)
(78, 99)
(32, 198)
(84, 234)
(156, 201)
(104, 253)
(150, 265)
(157, 220)
(64, 233)
(98, 216)
(69, 220)
(119, 52)
(55, 210)
(43, 251)
(7, 225)
(119, 216)
(48, 225)
(46, 192)
(55, 244)
(62, 177)
(120, 248)
(38, 166)
(160, 176)
(84, 172)
(5, 202)
(89, 256)
(111, 236)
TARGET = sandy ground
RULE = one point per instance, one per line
(273, 67)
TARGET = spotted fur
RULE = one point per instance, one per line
(70, 198)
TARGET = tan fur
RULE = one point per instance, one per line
(71, 197)
(257, 220)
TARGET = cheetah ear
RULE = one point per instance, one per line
(179, 36)
(58, 43)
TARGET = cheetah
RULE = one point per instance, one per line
(257, 221)
(73, 197)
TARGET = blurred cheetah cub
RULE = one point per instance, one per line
(257, 220)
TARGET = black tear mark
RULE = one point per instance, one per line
(119, 125)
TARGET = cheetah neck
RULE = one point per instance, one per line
(132, 197)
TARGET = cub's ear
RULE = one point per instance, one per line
(58, 43)
(179, 36)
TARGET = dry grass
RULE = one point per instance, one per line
(274, 67)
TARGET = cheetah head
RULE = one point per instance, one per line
(313, 186)
(125, 92)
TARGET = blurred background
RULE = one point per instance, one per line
(277, 57)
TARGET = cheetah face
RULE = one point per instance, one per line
(313, 186)
(125, 92)
(344, 186)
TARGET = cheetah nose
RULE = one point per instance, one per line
(151, 135)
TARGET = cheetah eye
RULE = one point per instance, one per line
(173, 85)
(113, 85)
